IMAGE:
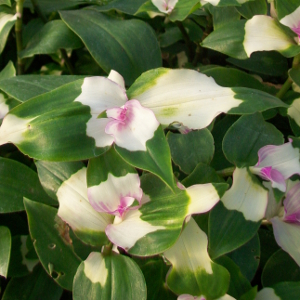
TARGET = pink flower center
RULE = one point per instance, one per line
(297, 29)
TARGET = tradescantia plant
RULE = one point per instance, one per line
(149, 149)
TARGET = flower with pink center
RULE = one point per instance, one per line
(293, 21)
(116, 195)
(131, 125)
(165, 6)
(277, 163)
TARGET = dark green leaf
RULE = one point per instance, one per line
(5, 248)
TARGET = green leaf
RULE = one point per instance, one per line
(268, 63)
(53, 174)
(7, 21)
(46, 116)
(8, 72)
(193, 272)
(284, 8)
(156, 160)
(183, 9)
(127, 7)
(223, 15)
(5, 2)
(18, 181)
(52, 243)
(5, 248)
(294, 74)
(280, 267)
(252, 8)
(109, 277)
(239, 285)
(130, 51)
(247, 257)
(187, 150)
(228, 230)
(155, 271)
(20, 264)
(282, 291)
(24, 87)
(228, 40)
(53, 36)
(37, 285)
(202, 174)
(246, 136)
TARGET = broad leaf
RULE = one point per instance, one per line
(53, 36)
(7, 21)
(18, 181)
(109, 277)
(130, 51)
(52, 243)
(193, 272)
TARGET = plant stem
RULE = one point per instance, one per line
(285, 87)
(106, 250)
(186, 38)
(62, 51)
(18, 30)
(226, 172)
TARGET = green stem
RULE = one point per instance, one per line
(18, 30)
(285, 87)
(62, 51)
(186, 38)
(226, 172)
(106, 250)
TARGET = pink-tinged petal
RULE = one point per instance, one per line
(131, 126)
(190, 297)
(165, 6)
(292, 205)
(116, 194)
(287, 236)
(127, 231)
(277, 163)
(277, 179)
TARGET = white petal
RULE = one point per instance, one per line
(203, 197)
(263, 34)
(187, 97)
(100, 93)
(74, 207)
(95, 269)
(267, 294)
(117, 78)
(287, 236)
(246, 196)
(190, 250)
(106, 197)
(132, 228)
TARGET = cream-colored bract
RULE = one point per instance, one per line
(246, 196)
(13, 128)
(263, 34)
(4, 108)
(126, 232)
(267, 294)
(294, 111)
(5, 18)
(189, 253)
(95, 269)
(203, 197)
(74, 206)
(187, 97)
